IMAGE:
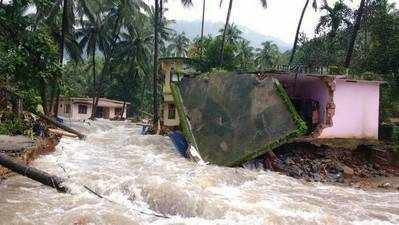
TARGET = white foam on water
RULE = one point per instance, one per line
(140, 176)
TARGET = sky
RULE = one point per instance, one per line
(279, 20)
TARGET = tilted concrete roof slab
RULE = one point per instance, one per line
(233, 118)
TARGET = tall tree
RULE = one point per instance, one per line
(157, 20)
(267, 56)
(92, 37)
(264, 4)
(298, 30)
(203, 19)
(179, 45)
(155, 76)
(335, 19)
(356, 27)
(63, 32)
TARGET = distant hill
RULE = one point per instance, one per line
(193, 29)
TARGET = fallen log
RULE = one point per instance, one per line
(62, 126)
(32, 173)
(62, 133)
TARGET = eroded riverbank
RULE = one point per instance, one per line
(144, 173)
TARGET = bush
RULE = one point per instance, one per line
(11, 124)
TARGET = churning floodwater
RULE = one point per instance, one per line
(143, 175)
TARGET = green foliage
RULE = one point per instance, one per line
(28, 60)
(376, 49)
(238, 53)
(11, 124)
(178, 46)
(184, 124)
(301, 127)
(268, 56)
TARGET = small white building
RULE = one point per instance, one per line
(81, 108)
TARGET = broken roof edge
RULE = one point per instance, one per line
(335, 76)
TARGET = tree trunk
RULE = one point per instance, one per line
(62, 126)
(65, 26)
(225, 32)
(93, 110)
(32, 173)
(142, 96)
(123, 110)
(297, 32)
(155, 76)
(43, 96)
(63, 30)
(354, 34)
(203, 20)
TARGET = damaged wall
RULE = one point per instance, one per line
(356, 111)
(236, 117)
(316, 88)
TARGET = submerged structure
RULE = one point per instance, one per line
(232, 118)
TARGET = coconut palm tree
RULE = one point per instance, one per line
(62, 31)
(203, 19)
(267, 56)
(336, 17)
(356, 27)
(298, 30)
(264, 4)
(157, 18)
(233, 34)
(93, 36)
(179, 45)
(133, 51)
(245, 55)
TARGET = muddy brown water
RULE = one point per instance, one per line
(142, 175)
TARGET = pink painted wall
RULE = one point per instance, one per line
(356, 110)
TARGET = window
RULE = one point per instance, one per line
(172, 112)
(82, 109)
(67, 108)
(118, 111)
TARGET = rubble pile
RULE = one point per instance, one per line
(328, 164)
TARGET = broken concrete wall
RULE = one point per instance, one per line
(314, 87)
(233, 118)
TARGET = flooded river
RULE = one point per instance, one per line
(142, 175)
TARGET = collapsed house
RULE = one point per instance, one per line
(232, 118)
(334, 106)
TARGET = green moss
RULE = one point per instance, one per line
(184, 126)
(300, 124)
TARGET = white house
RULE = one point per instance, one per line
(81, 108)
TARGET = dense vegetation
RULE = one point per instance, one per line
(106, 48)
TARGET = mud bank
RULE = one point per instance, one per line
(344, 163)
(21, 149)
